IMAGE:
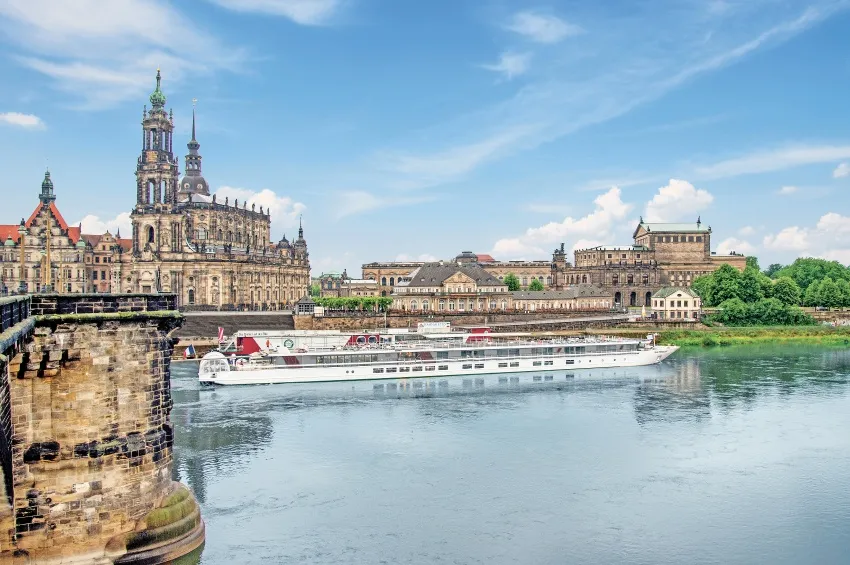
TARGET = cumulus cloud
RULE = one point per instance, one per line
(746, 230)
(425, 257)
(284, 210)
(841, 171)
(26, 121)
(829, 238)
(731, 244)
(542, 28)
(592, 229)
(679, 200)
(510, 64)
(786, 190)
(96, 225)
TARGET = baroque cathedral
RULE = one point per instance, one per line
(212, 254)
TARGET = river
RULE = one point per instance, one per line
(721, 456)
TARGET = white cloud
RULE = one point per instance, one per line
(829, 238)
(841, 171)
(548, 208)
(737, 245)
(92, 224)
(542, 28)
(792, 238)
(355, 202)
(786, 190)
(285, 211)
(774, 160)
(305, 12)
(425, 257)
(27, 121)
(679, 200)
(101, 53)
(510, 64)
(592, 229)
(746, 231)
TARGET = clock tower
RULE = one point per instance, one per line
(156, 170)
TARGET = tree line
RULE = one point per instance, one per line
(355, 303)
(773, 297)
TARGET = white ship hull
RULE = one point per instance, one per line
(438, 368)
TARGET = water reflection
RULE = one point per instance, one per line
(705, 458)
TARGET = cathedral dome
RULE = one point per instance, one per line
(194, 183)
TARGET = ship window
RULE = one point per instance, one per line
(515, 364)
(467, 366)
(444, 367)
(391, 369)
(502, 365)
(378, 370)
(479, 365)
(537, 363)
(548, 362)
(404, 369)
(429, 368)
(571, 361)
(415, 369)
(442, 355)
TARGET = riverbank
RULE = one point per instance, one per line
(724, 336)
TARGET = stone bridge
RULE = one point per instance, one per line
(85, 432)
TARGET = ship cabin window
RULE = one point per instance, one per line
(430, 368)
(548, 362)
(479, 365)
(513, 352)
(571, 361)
(404, 369)
(391, 369)
(415, 369)
(442, 355)
(378, 370)
(515, 364)
(466, 366)
(537, 363)
(443, 367)
(503, 365)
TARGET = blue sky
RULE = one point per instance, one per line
(406, 130)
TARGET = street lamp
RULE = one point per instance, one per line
(22, 284)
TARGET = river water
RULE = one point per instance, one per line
(726, 456)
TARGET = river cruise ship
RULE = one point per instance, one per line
(430, 355)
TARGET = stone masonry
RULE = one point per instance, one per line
(92, 439)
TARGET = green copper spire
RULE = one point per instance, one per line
(47, 195)
(157, 97)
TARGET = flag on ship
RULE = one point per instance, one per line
(220, 335)
(189, 351)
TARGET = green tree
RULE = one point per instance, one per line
(808, 270)
(727, 285)
(811, 296)
(753, 262)
(703, 286)
(315, 290)
(829, 293)
(512, 282)
(786, 291)
(772, 269)
(384, 303)
(733, 312)
(750, 285)
(844, 287)
(535, 285)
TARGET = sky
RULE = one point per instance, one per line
(403, 130)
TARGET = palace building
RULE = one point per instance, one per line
(662, 255)
(212, 254)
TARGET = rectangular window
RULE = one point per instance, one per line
(103, 275)
(404, 369)
(391, 369)
(571, 361)
(537, 363)
(479, 365)
(691, 238)
(417, 369)
(515, 364)
(97, 259)
(699, 239)
(467, 366)
(686, 303)
(443, 367)
(377, 370)
(94, 275)
(430, 367)
(548, 362)
(442, 355)
(503, 365)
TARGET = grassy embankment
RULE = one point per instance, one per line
(722, 336)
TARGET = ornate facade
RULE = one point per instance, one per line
(212, 254)
(662, 255)
(451, 288)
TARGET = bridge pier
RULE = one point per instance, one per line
(90, 439)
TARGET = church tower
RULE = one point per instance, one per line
(193, 182)
(156, 169)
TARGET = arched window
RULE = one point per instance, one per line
(645, 280)
(615, 279)
(442, 304)
(630, 279)
(648, 298)
(549, 281)
(633, 299)
(392, 281)
(191, 296)
(584, 279)
(150, 234)
(504, 304)
(414, 305)
(426, 305)
(202, 233)
(219, 235)
(524, 281)
(383, 281)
